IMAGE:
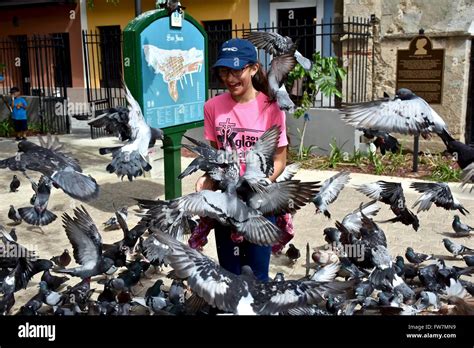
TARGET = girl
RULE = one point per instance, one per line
(242, 114)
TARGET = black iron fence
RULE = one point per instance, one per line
(38, 66)
(104, 71)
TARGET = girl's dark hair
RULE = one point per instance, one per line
(260, 81)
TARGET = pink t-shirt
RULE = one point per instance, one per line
(243, 123)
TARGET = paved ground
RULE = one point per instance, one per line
(435, 224)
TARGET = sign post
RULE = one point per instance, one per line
(420, 69)
(165, 69)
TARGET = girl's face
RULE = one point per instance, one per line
(238, 82)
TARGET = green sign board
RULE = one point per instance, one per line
(165, 68)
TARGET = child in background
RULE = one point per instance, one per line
(20, 120)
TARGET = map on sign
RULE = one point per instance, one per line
(173, 73)
(175, 66)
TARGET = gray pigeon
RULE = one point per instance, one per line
(39, 215)
(14, 215)
(405, 114)
(353, 221)
(15, 184)
(460, 228)
(456, 249)
(130, 159)
(64, 171)
(277, 45)
(243, 294)
(330, 191)
(280, 67)
(437, 193)
(86, 242)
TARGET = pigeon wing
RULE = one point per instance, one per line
(333, 186)
(271, 42)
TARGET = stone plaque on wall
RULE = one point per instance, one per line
(420, 69)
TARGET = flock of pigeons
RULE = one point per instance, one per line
(353, 274)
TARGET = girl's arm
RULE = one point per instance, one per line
(279, 162)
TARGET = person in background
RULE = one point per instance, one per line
(20, 120)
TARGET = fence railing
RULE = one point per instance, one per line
(38, 66)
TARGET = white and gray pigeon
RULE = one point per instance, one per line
(438, 193)
(455, 248)
(329, 192)
(130, 159)
(289, 172)
(86, 242)
(243, 294)
(460, 228)
(48, 159)
(277, 45)
(38, 214)
(353, 221)
(280, 67)
(405, 114)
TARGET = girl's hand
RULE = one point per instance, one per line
(205, 183)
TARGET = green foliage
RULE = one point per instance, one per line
(6, 128)
(323, 77)
(356, 157)
(443, 170)
(336, 155)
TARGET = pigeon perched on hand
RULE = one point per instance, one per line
(405, 114)
(39, 215)
(460, 228)
(391, 193)
(243, 294)
(15, 184)
(64, 171)
(329, 192)
(437, 193)
(130, 159)
(456, 249)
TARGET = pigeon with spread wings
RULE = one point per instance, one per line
(438, 193)
(130, 159)
(329, 192)
(243, 294)
(405, 114)
(63, 170)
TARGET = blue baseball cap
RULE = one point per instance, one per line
(235, 54)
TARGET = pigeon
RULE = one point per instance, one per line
(171, 6)
(293, 253)
(391, 193)
(330, 191)
(14, 215)
(407, 271)
(62, 260)
(353, 221)
(429, 277)
(112, 223)
(13, 234)
(456, 249)
(50, 297)
(405, 114)
(437, 193)
(469, 259)
(130, 159)
(87, 245)
(332, 235)
(416, 258)
(31, 307)
(289, 172)
(64, 171)
(383, 141)
(177, 292)
(6, 303)
(429, 299)
(52, 281)
(39, 215)
(280, 67)
(460, 228)
(243, 294)
(463, 154)
(277, 45)
(15, 184)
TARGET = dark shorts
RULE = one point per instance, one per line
(20, 125)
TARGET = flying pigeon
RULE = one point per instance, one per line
(112, 223)
(329, 192)
(405, 114)
(353, 221)
(416, 258)
(64, 171)
(87, 245)
(277, 45)
(128, 160)
(280, 67)
(456, 249)
(15, 184)
(437, 193)
(242, 294)
(460, 228)
(38, 214)
(391, 193)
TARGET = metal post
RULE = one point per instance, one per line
(416, 143)
(138, 7)
(172, 163)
